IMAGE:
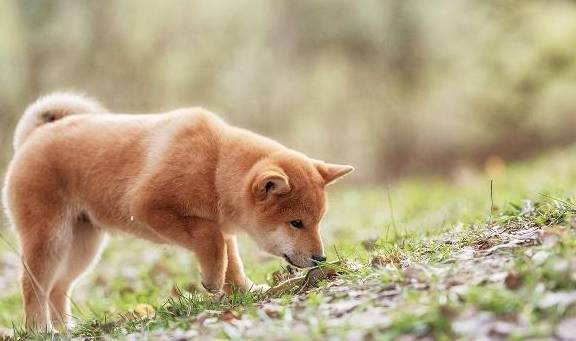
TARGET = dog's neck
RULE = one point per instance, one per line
(235, 172)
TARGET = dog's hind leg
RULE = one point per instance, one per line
(42, 220)
(43, 250)
(87, 242)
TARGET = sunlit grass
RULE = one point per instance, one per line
(134, 272)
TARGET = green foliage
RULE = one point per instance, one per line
(393, 87)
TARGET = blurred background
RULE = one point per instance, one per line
(394, 87)
(419, 94)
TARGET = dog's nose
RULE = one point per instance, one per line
(319, 258)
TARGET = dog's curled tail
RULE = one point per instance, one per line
(51, 108)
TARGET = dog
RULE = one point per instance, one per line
(184, 177)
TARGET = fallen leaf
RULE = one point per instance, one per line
(483, 243)
(280, 276)
(311, 279)
(513, 280)
(380, 261)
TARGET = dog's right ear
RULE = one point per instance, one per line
(270, 182)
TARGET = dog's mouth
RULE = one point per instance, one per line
(287, 259)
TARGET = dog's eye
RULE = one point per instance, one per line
(297, 223)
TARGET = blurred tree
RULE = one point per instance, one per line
(394, 87)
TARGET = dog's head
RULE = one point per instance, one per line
(288, 199)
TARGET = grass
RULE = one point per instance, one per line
(425, 222)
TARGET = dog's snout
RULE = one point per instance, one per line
(319, 258)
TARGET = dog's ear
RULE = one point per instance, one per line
(332, 172)
(270, 182)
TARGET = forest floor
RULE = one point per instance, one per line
(483, 255)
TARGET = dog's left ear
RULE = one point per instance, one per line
(332, 172)
(270, 182)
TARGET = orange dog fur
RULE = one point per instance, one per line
(184, 177)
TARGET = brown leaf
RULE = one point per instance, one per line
(315, 275)
(380, 261)
(513, 280)
(483, 243)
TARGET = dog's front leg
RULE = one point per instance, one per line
(199, 235)
(235, 276)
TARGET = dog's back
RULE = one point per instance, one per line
(63, 148)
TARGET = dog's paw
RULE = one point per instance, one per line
(247, 286)
(214, 290)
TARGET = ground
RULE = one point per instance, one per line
(480, 255)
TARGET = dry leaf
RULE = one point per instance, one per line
(483, 243)
(513, 280)
(380, 261)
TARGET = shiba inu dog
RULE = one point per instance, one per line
(183, 177)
